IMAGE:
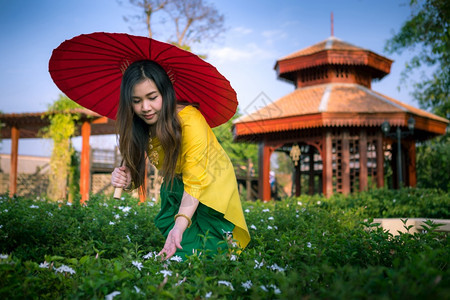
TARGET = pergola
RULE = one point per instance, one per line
(27, 125)
(331, 123)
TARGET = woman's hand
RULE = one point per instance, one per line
(121, 177)
(173, 242)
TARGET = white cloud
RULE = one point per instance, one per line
(233, 54)
(242, 30)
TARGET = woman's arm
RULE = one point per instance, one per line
(187, 208)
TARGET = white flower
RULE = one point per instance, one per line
(208, 295)
(276, 290)
(253, 227)
(233, 257)
(135, 226)
(34, 206)
(137, 264)
(258, 265)
(150, 255)
(299, 203)
(49, 214)
(69, 203)
(308, 245)
(3, 256)
(1, 226)
(138, 290)
(269, 227)
(247, 210)
(165, 273)
(65, 269)
(275, 267)
(270, 218)
(318, 202)
(264, 288)
(128, 238)
(227, 283)
(5, 210)
(44, 265)
(297, 216)
(117, 216)
(125, 209)
(247, 285)
(266, 210)
(176, 258)
(111, 223)
(112, 295)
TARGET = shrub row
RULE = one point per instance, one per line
(307, 247)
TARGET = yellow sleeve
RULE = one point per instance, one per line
(195, 154)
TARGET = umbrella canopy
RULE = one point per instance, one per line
(89, 69)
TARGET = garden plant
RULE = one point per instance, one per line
(309, 247)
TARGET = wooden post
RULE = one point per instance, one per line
(143, 189)
(411, 167)
(85, 162)
(311, 170)
(363, 161)
(327, 170)
(345, 163)
(264, 170)
(380, 160)
(15, 134)
(298, 178)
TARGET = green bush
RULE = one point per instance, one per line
(306, 247)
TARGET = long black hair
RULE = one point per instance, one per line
(134, 132)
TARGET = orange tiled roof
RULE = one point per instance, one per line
(332, 43)
(332, 51)
(333, 104)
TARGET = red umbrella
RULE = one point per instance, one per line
(89, 68)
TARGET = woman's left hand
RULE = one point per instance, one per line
(173, 242)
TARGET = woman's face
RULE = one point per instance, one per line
(147, 101)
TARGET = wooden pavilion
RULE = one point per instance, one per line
(331, 123)
(28, 125)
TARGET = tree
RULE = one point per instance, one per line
(427, 30)
(149, 7)
(193, 21)
(61, 129)
(239, 153)
(433, 163)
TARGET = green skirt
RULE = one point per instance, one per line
(208, 231)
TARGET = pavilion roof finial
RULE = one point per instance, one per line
(332, 24)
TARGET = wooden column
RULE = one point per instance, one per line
(345, 163)
(363, 161)
(264, 169)
(15, 134)
(143, 189)
(298, 176)
(411, 167)
(380, 160)
(327, 169)
(311, 170)
(85, 171)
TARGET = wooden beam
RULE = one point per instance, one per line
(363, 160)
(15, 134)
(85, 162)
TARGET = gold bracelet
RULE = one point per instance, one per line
(184, 216)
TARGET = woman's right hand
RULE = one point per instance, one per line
(121, 177)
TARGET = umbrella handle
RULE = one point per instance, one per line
(117, 193)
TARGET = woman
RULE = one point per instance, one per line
(199, 194)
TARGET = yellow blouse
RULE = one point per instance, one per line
(207, 171)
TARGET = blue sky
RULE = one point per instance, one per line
(258, 33)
